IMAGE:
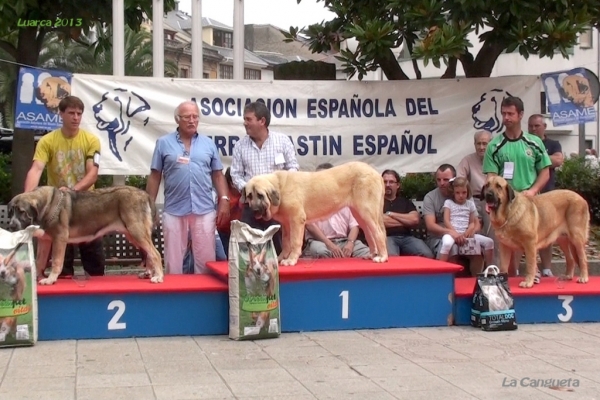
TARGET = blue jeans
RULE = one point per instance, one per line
(188, 259)
(407, 245)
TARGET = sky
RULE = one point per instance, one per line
(280, 13)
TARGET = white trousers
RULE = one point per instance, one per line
(175, 233)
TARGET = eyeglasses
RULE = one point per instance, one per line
(390, 182)
(189, 117)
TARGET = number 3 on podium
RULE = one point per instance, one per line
(114, 323)
(566, 305)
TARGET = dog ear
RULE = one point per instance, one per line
(243, 195)
(273, 197)
(510, 193)
(32, 212)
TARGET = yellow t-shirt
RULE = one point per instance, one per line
(65, 158)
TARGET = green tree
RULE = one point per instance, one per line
(436, 31)
(25, 50)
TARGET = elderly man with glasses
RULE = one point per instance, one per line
(190, 165)
(400, 215)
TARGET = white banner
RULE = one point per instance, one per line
(408, 126)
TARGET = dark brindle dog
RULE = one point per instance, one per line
(76, 217)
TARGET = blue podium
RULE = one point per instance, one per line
(543, 303)
(126, 306)
(339, 294)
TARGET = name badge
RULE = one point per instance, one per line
(183, 160)
(509, 170)
(279, 159)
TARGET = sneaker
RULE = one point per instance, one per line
(537, 278)
(547, 272)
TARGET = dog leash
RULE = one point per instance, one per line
(57, 209)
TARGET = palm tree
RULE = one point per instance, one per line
(88, 56)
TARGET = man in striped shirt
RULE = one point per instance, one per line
(260, 152)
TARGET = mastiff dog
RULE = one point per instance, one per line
(76, 217)
(294, 198)
(529, 224)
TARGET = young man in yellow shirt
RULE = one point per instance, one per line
(72, 157)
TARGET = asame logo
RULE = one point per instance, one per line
(487, 113)
(114, 114)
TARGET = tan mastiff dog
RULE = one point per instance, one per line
(294, 198)
(76, 217)
(530, 224)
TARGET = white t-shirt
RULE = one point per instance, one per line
(460, 214)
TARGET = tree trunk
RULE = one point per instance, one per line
(451, 70)
(483, 65)
(23, 145)
(390, 67)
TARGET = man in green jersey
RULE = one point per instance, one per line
(517, 156)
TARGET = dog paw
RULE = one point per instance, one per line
(47, 281)
(288, 261)
(527, 283)
(156, 279)
(583, 279)
(145, 275)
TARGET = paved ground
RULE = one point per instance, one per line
(426, 363)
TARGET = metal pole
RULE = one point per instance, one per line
(238, 39)
(582, 139)
(118, 42)
(197, 71)
(158, 39)
(118, 37)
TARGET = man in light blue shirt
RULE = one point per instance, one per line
(190, 166)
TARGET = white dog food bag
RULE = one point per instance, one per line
(18, 288)
(253, 283)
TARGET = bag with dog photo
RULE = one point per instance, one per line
(253, 283)
(493, 304)
(18, 288)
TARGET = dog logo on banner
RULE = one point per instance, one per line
(486, 113)
(114, 114)
(571, 96)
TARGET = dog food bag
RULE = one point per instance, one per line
(253, 283)
(493, 305)
(18, 288)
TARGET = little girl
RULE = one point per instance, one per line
(459, 216)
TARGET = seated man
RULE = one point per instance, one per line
(400, 214)
(336, 236)
(433, 213)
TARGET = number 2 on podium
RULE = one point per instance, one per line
(345, 295)
(114, 323)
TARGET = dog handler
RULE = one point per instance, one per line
(519, 157)
(72, 156)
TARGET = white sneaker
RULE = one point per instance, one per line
(547, 272)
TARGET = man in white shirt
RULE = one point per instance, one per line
(336, 236)
(260, 152)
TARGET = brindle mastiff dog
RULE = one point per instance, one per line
(294, 198)
(76, 217)
(530, 224)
